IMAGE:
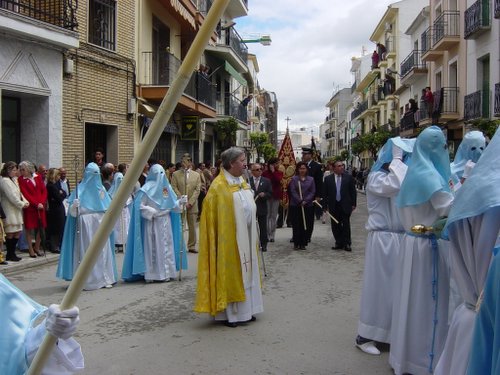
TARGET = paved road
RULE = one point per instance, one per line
(311, 302)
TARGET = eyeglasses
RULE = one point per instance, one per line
(256, 170)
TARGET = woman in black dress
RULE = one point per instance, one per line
(56, 212)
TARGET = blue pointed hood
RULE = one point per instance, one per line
(429, 170)
(158, 189)
(91, 192)
(117, 180)
(485, 177)
(471, 148)
(384, 155)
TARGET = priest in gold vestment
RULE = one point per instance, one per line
(229, 286)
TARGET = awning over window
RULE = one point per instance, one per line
(237, 76)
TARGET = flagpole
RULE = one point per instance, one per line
(144, 151)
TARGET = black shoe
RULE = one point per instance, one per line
(337, 247)
(291, 239)
(295, 247)
(264, 249)
(13, 258)
(272, 240)
(252, 319)
(348, 248)
(302, 247)
(231, 324)
(4, 263)
(56, 251)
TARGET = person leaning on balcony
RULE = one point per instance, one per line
(429, 101)
(382, 51)
(375, 60)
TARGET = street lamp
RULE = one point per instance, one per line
(265, 40)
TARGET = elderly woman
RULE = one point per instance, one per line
(13, 203)
(33, 188)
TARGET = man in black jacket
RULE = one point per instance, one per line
(263, 191)
(339, 196)
(316, 173)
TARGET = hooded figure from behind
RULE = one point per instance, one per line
(155, 233)
(87, 205)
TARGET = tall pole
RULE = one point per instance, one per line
(287, 120)
(144, 151)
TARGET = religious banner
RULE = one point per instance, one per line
(315, 153)
(287, 166)
(189, 129)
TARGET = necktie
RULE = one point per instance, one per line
(338, 188)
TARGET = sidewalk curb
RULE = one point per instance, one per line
(28, 263)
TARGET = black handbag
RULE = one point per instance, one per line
(2, 212)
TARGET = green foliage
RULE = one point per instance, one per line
(487, 126)
(371, 142)
(344, 155)
(260, 142)
(226, 132)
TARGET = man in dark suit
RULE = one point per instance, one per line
(315, 171)
(339, 196)
(263, 191)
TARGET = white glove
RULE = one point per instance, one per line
(62, 324)
(183, 200)
(397, 153)
(76, 203)
(469, 166)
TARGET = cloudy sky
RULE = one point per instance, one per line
(310, 55)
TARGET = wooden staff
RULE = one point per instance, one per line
(183, 225)
(301, 206)
(328, 212)
(144, 151)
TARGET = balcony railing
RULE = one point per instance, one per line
(359, 109)
(331, 116)
(233, 107)
(204, 6)
(353, 87)
(408, 121)
(473, 106)
(476, 18)
(497, 8)
(497, 100)
(161, 71)
(426, 40)
(61, 13)
(446, 25)
(234, 40)
(411, 62)
(446, 100)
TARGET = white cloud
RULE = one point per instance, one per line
(311, 50)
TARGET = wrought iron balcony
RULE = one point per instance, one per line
(412, 62)
(477, 19)
(408, 121)
(426, 40)
(161, 71)
(497, 100)
(446, 25)
(204, 6)
(61, 13)
(497, 8)
(331, 116)
(359, 109)
(473, 106)
(233, 107)
(446, 100)
(234, 40)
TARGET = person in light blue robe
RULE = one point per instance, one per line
(86, 211)
(382, 244)
(155, 233)
(471, 148)
(420, 307)
(22, 332)
(122, 224)
(472, 228)
(485, 355)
